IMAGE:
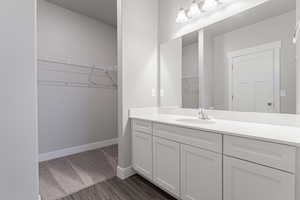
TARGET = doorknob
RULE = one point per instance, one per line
(269, 104)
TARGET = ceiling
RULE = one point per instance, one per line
(102, 10)
(262, 12)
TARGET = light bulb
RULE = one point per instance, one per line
(210, 4)
(181, 16)
(194, 10)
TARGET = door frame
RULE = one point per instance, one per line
(275, 46)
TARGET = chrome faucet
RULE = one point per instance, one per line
(202, 114)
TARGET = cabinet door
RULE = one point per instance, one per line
(201, 174)
(249, 181)
(142, 153)
(166, 165)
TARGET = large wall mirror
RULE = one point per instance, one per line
(245, 63)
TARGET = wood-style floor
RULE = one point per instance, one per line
(133, 188)
(65, 176)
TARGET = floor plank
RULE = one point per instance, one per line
(133, 188)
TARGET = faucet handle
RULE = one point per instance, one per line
(203, 114)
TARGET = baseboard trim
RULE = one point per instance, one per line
(124, 173)
(77, 149)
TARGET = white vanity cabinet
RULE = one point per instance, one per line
(142, 148)
(256, 170)
(201, 174)
(166, 165)
(192, 164)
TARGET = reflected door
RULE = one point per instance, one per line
(254, 82)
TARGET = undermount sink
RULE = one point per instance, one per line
(195, 121)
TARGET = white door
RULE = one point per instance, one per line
(255, 80)
(166, 159)
(201, 174)
(247, 181)
(142, 153)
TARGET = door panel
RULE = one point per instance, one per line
(253, 82)
(201, 174)
(166, 165)
(248, 181)
(142, 153)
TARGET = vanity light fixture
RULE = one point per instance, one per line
(210, 4)
(181, 16)
(194, 10)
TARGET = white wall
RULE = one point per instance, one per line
(279, 28)
(18, 127)
(75, 116)
(137, 61)
(168, 9)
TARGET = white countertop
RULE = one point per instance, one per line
(271, 133)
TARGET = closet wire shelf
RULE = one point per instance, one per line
(91, 72)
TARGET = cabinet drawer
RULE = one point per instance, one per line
(142, 126)
(265, 153)
(201, 139)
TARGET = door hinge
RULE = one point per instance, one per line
(232, 97)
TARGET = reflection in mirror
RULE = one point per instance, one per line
(254, 60)
(179, 72)
(244, 63)
(190, 71)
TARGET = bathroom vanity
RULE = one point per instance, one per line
(244, 68)
(194, 159)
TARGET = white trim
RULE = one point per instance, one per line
(264, 47)
(124, 173)
(75, 150)
(275, 46)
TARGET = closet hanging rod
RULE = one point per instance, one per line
(74, 84)
(95, 67)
